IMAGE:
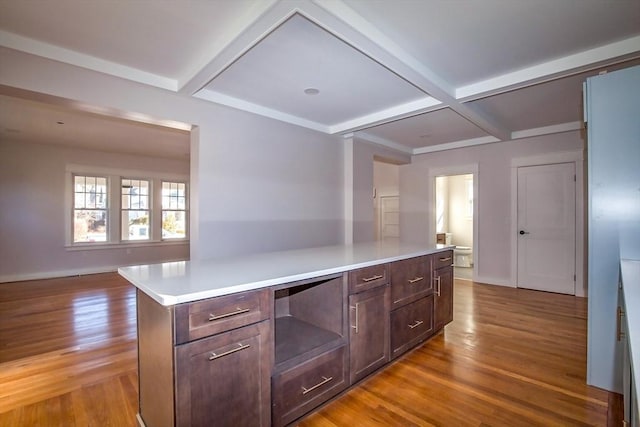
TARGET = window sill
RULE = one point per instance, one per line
(123, 245)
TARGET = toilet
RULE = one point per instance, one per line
(462, 255)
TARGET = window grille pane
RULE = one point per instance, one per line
(174, 225)
(89, 226)
(135, 225)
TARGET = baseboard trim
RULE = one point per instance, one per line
(494, 281)
(67, 273)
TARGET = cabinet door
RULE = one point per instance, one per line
(410, 280)
(443, 302)
(369, 336)
(410, 325)
(224, 380)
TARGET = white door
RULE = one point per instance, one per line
(389, 217)
(546, 228)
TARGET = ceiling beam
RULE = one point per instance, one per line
(348, 25)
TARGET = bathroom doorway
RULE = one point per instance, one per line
(454, 220)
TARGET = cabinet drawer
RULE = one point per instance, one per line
(410, 280)
(368, 277)
(214, 315)
(300, 389)
(442, 259)
(411, 324)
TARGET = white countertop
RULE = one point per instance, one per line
(631, 286)
(172, 283)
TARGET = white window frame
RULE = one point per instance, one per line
(114, 201)
(185, 210)
(150, 198)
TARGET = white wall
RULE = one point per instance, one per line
(257, 184)
(494, 246)
(364, 154)
(33, 214)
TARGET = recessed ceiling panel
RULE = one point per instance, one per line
(300, 56)
(546, 104)
(437, 127)
(469, 41)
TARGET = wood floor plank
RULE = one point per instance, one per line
(511, 357)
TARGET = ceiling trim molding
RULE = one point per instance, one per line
(216, 47)
(547, 130)
(56, 53)
(396, 112)
(571, 64)
(249, 36)
(521, 134)
(380, 141)
(240, 104)
(456, 144)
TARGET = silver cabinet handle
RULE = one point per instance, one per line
(320, 384)
(239, 310)
(438, 282)
(445, 259)
(369, 279)
(415, 325)
(356, 315)
(215, 356)
(415, 279)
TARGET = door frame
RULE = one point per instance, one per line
(469, 169)
(576, 157)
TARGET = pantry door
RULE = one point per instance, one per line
(546, 227)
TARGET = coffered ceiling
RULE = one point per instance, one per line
(418, 76)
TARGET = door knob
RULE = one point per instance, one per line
(522, 232)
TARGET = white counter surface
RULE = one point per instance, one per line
(184, 281)
(631, 286)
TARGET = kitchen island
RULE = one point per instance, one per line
(266, 338)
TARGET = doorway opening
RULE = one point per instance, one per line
(454, 220)
(386, 200)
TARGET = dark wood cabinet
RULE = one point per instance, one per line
(410, 280)
(411, 324)
(369, 331)
(311, 353)
(224, 380)
(270, 356)
(207, 362)
(443, 289)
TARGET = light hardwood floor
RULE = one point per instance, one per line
(511, 357)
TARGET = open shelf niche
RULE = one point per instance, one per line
(310, 317)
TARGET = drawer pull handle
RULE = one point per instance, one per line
(369, 279)
(416, 279)
(356, 316)
(215, 356)
(320, 384)
(415, 325)
(239, 310)
(445, 259)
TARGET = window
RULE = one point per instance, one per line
(90, 197)
(174, 210)
(135, 223)
(106, 208)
